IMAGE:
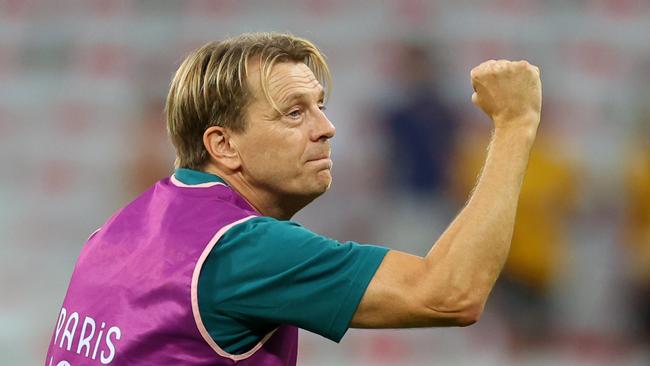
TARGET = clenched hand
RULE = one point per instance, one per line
(509, 92)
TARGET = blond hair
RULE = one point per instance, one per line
(210, 87)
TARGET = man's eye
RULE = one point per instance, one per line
(322, 107)
(294, 113)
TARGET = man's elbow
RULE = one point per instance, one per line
(469, 316)
(459, 311)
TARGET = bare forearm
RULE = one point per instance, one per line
(473, 250)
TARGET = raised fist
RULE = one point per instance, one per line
(509, 92)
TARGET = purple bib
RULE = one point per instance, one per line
(132, 298)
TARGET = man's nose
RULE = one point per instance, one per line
(323, 129)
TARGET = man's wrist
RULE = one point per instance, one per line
(523, 132)
(525, 125)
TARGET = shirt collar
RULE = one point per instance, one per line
(194, 177)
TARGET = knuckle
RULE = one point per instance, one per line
(479, 71)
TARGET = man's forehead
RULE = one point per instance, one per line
(286, 79)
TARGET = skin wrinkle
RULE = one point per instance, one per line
(287, 94)
(302, 97)
(286, 89)
(267, 69)
(284, 86)
(266, 73)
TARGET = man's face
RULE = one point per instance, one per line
(287, 154)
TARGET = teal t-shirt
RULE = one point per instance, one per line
(266, 272)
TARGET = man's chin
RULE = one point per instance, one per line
(325, 180)
(318, 185)
(319, 188)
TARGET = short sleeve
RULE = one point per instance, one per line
(264, 272)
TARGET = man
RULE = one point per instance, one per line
(205, 269)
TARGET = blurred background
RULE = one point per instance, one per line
(82, 132)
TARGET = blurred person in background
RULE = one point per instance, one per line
(541, 235)
(206, 268)
(636, 228)
(420, 127)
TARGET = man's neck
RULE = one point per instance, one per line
(266, 203)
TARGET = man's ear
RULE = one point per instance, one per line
(220, 147)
